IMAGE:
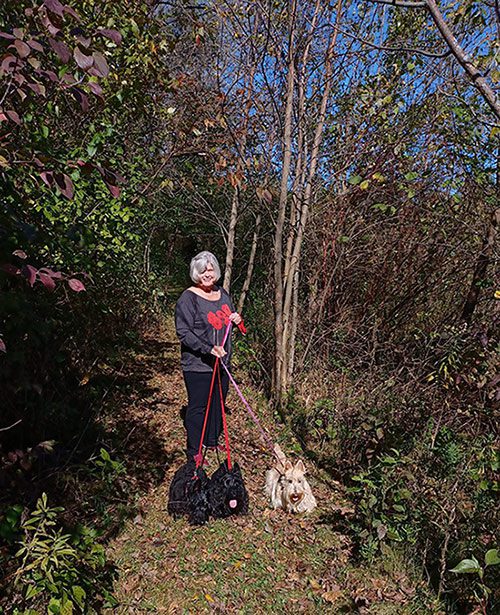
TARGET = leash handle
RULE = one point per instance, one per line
(227, 311)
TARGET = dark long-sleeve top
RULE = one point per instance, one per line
(201, 325)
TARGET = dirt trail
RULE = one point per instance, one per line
(265, 562)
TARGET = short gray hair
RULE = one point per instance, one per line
(200, 262)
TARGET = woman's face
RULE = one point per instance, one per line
(207, 278)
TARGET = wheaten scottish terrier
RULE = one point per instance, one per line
(287, 486)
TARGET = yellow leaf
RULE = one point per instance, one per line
(209, 598)
(3, 162)
(497, 294)
(314, 584)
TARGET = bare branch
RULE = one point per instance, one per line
(464, 59)
(424, 52)
(11, 426)
(403, 3)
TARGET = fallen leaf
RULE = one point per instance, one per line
(314, 584)
(332, 596)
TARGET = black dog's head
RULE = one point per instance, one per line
(227, 493)
(188, 494)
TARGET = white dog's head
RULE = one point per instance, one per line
(293, 483)
(287, 487)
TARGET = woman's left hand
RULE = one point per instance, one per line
(235, 318)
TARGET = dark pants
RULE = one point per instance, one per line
(198, 388)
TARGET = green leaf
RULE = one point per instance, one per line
(32, 591)
(411, 176)
(79, 595)
(492, 557)
(105, 455)
(355, 180)
(54, 606)
(467, 566)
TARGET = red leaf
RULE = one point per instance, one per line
(9, 63)
(30, 273)
(2, 345)
(12, 115)
(95, 88)
(53, 30)
(19, 78)
(65, 185)
(81, 98)
(20, 254)
(72, 12)
(76, 285)
(83, 61)
(84, 40)
(48, 178)
(101, 63)
(61, 49)
(38, 88)
(47, 281)
(115, 190)
(50, 74)
(22, 49)
(114, 35)
(55, 7)
(69, 78)
(35, 45)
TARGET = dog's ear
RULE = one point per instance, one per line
(300, 467)
(288, 466)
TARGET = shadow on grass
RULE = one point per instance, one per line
(105, 455)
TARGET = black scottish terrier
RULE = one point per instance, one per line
(188, 494)
(226, 492)
(193, 494)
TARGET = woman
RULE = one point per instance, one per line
(202, 315)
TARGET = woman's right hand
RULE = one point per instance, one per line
(218, 351)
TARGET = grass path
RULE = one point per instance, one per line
(265, 562)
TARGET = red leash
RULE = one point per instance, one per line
(199, 457)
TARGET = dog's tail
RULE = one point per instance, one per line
(280, 456)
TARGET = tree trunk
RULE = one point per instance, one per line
(289, 332)
(231, 236)
(251, 261)
(280, 221)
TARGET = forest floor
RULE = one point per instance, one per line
(265, 562)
